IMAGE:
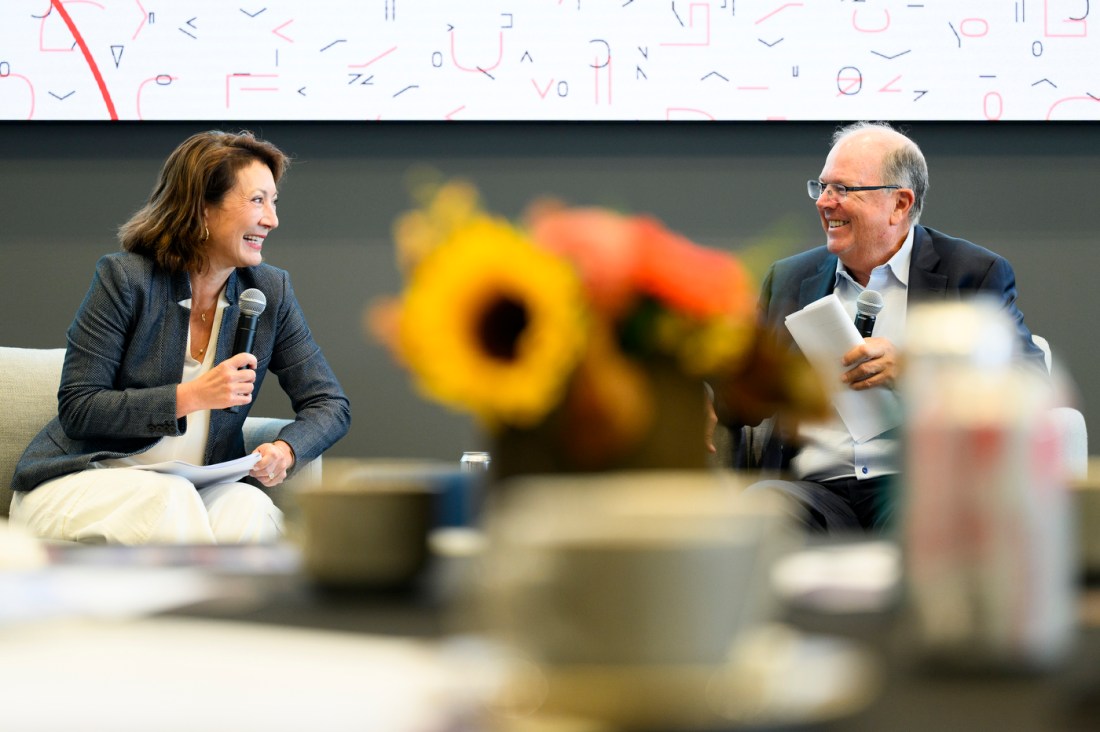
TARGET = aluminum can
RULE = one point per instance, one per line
(474, 462)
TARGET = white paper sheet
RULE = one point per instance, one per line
(825, 332)
(204, 475)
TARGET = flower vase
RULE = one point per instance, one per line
(578, 437)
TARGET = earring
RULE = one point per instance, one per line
(205, 232)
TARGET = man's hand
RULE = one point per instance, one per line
(872, 363)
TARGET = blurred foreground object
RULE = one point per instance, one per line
(987, 517)
(642, 600)
(579, 339)
(367, 522)
(19, 549)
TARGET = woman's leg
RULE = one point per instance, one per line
(242, 514)
(115, 506)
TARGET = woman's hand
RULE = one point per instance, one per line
(276, 460)
(229, 384)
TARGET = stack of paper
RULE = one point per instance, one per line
(825, 332)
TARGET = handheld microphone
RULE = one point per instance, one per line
(252, 303)
(868, 305)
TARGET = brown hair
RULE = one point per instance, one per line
(170, 227)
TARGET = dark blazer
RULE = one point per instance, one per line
(941, 268)
(125, 358)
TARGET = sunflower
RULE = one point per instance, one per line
(492, 324)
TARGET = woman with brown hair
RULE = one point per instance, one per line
(151, 377)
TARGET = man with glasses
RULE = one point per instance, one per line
(869, 198)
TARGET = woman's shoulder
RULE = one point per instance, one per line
(129, 263)
(268, 279)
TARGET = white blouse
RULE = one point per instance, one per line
(189, 447)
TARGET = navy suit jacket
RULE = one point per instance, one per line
(125, 357)
(941, 268)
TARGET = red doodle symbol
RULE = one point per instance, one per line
(886, 87)
(853, 82)
(993, 113)
(691, 24)
(368, 63)
(855, 14)
(781, 7)
(476, 69)
(144, 20)
(160, 80)
(58, 5)
(1078, 24)
(30, 87)
(596, 68)
(543, 92)
(46, 17)
(670, 112)
(229, 77)
(452, 113)
(984, 31)
(1094, 100)
(284, 25)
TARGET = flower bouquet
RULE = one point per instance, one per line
(580, 338)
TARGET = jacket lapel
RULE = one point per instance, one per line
(924, 282)
(820, 284)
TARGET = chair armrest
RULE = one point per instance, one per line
(1075, 441)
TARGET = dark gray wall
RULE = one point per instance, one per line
(1020, 189)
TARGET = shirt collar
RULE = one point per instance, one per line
(897, 264)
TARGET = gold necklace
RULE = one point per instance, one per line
(202, 317)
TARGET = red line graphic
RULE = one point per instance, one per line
(476, 69)
(284, 25)
(781, 7)
(57, 4)
(160, 80)
(542, 92)
(144, 19)
(368, 63)
(887, 87)
(691, 24)
(30, 86)
(46, 19)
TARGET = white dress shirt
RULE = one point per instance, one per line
(828, 450)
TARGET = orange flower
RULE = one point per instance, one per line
(697, 281)
(601, 244)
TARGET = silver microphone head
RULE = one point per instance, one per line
(869, 303)
(252, 301)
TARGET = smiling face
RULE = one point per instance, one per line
(866, 228)
(241, 221)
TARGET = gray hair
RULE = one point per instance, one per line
(904, 164)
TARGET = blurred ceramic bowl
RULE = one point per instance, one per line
(367, 522)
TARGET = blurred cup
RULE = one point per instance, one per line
(630, 583)
(367, 522)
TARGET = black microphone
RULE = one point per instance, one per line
(252, 303)
(868, 305)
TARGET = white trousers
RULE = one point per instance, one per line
(124, 506)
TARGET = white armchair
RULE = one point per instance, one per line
(29, 380)
(1071, 423)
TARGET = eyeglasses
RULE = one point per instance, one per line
(817, 189)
